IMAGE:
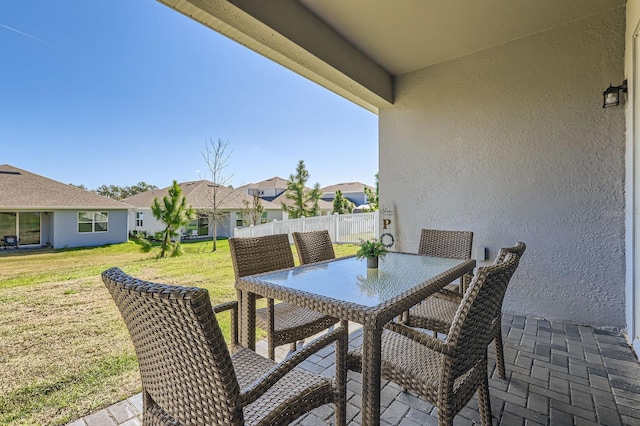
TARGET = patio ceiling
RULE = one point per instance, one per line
(357, 47)
(407, 35)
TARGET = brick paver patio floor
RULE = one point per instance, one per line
(557, 374)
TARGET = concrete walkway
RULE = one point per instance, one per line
(557, 374)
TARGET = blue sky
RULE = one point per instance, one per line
(123, 91)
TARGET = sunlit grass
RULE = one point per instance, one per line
(64, 350)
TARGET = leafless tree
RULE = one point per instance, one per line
(252, 211)
(216, 156)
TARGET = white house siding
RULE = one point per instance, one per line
(224, 229)
(513, 144)
(46, 228)
(149, 223)
(65, 229)
(274, 215)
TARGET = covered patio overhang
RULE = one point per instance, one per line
(490, 120)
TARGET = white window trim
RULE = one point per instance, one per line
(93, 222)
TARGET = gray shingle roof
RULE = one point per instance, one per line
(20, 189)
(272, 183)
(282, 199)
(199, 194)
(346, 187)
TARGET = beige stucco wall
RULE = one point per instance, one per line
(513, 144)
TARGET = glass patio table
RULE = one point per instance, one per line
(345, 289)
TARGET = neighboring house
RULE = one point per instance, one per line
(273, 190)
(490, 119)
(199, 195)
(325, 206)
(44, 212)
(267, 189)
(354, 191)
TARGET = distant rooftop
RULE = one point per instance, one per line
(282, 199)
(346, 187)
(199, 194)
(275, 182)
(20, 189)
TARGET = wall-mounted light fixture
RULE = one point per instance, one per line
(611, 96)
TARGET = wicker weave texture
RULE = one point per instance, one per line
(283, 322)
(449, 244)
(189, 377)
(437, 313)
(372, 318)
(255, 255)
(448, 373)
(314, 246)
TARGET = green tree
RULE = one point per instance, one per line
(117, 192)
(372, 198)
(305, 203)
(341, 204)
(137, 189)
(110, 191)
(174, 213)
(313, 198)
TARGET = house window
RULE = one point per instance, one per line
(139, 217)
(93, 222)
(263, 219)
(198, 227)
(239, 222)
(24, 225)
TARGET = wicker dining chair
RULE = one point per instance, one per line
(449, 244)
(437, 313)
(189, 375)
(448, 373)
(290, 323)
(314, 246)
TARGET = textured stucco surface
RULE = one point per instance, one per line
(513, 144)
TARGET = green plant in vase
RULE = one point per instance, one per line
(372, 250)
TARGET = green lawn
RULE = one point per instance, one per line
(64, 350)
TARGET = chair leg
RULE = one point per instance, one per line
(271, 337)
(444, 420)
(342, 345)
(499, 352)
(271, 350)
(446, 412)
(484, 402)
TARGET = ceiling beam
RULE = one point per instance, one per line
(289, 34)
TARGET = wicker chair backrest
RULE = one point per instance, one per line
(449, 244)
(518, 250)
(255, 255)
(184, 362)
(314, 246)
(473, 324)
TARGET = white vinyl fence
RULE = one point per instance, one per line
(343, 228)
